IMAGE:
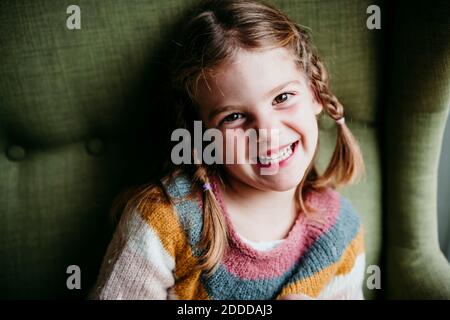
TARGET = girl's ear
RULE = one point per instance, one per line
(317, 107)
(316, 104)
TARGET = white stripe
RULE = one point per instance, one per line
(137, 264)
(146, 242)
(347, 286)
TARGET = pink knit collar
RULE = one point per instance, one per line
(294, 239)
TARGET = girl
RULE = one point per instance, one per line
(228, 231)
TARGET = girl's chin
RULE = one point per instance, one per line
(278, 182)
(282, 185)
(282, 180)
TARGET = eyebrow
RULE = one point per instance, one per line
(218, 110)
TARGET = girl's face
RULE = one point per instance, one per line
(263, 90)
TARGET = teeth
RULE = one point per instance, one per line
(277, 157)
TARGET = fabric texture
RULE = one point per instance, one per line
(154, 254)
(417, 108)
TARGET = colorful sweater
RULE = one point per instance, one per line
(154, 252)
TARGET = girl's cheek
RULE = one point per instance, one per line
(293, 109)
(302, 120)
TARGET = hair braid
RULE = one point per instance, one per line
(214, 238)
(346, 162)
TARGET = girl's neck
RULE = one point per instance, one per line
(239, 191)
(273, 212)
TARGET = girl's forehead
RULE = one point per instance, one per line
(250, 73)
(246, 59)
(249, 78)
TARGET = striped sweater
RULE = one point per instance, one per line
(154, 252)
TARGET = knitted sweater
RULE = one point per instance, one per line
(154, 252)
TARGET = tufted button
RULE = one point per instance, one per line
(95, 147)
(16, 153)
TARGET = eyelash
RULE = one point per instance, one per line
(287, 93)
(237, 113)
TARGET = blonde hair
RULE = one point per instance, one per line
(214, 31)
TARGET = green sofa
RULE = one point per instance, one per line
(81, 119)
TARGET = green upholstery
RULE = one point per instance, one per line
(419, 99)
(80, 120)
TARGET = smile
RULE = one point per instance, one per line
(279, 156)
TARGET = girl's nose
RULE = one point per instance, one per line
(266, 125)
(265, 120)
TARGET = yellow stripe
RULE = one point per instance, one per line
(163, 219)
(357, 246)
(313, 285)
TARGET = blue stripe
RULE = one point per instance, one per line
(330, 246)
(189, 213)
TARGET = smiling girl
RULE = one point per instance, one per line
(228, 231)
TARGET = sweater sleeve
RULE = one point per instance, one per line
(137, 264)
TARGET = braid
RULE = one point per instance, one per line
(346, 162)
(214, 239)
(320, 86)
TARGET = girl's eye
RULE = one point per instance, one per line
(283, 97)
(232, 117)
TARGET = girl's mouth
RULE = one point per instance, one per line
(278, 158)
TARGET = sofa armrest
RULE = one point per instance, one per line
(418, 274)
(418, 105)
